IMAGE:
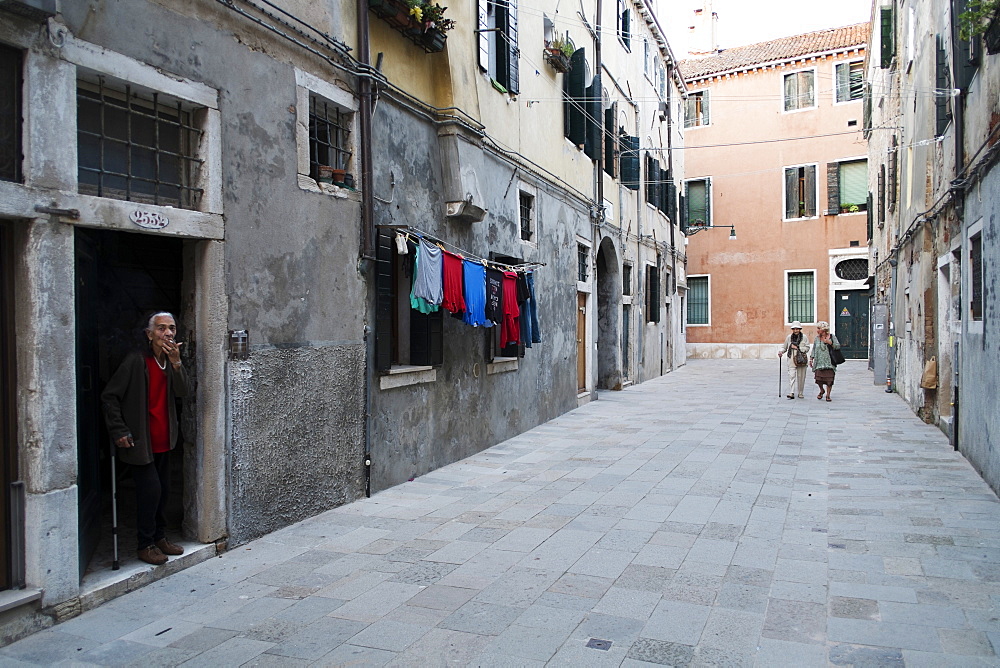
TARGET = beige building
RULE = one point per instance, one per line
(775, 155)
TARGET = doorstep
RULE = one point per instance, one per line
(103, 585)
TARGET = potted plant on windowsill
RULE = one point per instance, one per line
(558, 53)
(428, 25)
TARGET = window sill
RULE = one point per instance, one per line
(795, 220)
(501, 365)
(310, 184)
(403, 375)
(15, 598)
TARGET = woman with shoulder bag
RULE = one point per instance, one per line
(795, 347)
(821, 358)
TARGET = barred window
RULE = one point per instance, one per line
(329, 134)
(527, 209)
(582, 263)
(976, 276)
(800, 296)
(855, 269)
(10, 114)
(136, 145)
(697, 300)
(626, 279)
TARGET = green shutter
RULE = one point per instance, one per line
(513, 82)
(593, 120)
(576, 92)
(942, 96)
(610, 139)
(629, 161)
(887, 36)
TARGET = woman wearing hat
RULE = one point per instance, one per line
(795, 343)
(820, 360)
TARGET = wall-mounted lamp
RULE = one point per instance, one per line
(694, 229)
(239, 344)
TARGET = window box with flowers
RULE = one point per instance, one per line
(558, 53)
(421, 21)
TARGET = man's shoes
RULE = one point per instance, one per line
(790, 396)
(166, 547)
(152, 555)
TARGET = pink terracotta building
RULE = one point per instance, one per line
(775, 156)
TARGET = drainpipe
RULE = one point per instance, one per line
(367, 263)
(599, 171)
(670, 171)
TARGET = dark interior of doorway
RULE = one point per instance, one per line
(121, 278)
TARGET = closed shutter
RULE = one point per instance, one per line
(832, 188)
(890, 185)
(426, 338)
(704, 107)
(594, 120)
(672, 202)
(384, 298)
(484, 36)
(942, 96)
(810, 190)
(630, 162)
(871, 217)
(664, 198)
(843, 82)
(610, 139)
(576, 93)
(853, 183)
(650, 179)
(881, 194)
(791, 92)
(887, 36)
(513, 82)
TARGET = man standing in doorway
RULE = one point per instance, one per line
(140, 411)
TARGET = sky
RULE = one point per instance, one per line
(750, 21)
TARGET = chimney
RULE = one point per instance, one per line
(702, 39)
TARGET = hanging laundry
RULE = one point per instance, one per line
(401, 245)
(494, 296)
(510, 329)
(419, 303)
(427, 284)
(474, 291)
(452, 279)
(529, 310)
(524, 304)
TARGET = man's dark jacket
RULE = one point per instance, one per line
(125, 400)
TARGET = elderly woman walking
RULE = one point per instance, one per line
(795, 347)
(819, 358)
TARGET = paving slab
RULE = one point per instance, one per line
(696, 519)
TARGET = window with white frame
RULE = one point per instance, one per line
(696, 109)
(801, 304)
(850, 81)
(800, 192)
(697, 203)
(698, 311)
(800, 90)
(136, 144)
(526, 211)
(847, 186)
(498, 39)
(325, 136)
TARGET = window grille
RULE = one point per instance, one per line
(697, 300)
(800, 296)
(855, 269)
(329, 132)
(134, 146)
(10, 114)
(527, 204)
(582, 263)
(976, 276)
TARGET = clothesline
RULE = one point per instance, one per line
(420, 234)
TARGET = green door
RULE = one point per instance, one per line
(851, 323)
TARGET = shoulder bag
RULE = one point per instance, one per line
(836, 356)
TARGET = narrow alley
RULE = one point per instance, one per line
(696, 519)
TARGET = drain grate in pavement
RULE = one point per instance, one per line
(596, 643)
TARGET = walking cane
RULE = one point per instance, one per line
(114, 507)
(779, 376)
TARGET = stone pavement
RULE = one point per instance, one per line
(697, 519)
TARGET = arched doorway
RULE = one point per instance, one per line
(609, 297)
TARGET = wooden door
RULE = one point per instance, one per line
(581, 341)
(851, 323)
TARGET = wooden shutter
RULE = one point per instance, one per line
(832, 188)
(650, 179)
(484, 37)
(810, 190)
(384, 298)
(513, 53)
(576, 92)
(682, 212)
(887, 36)
(594, 120)
(704, 107)
(671, 201)
(661, 201)
(942, 96)
(610, 139)
(843, 82)
(890, 185)
(881, 194)
(426, 338)
(965, 53)
(791, 192)
(629, 161)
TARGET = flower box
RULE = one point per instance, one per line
(559, 61)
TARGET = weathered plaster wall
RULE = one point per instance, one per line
(296, 422)
(418, 428)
